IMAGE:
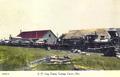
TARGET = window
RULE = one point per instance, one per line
(49, 35)
(102, 37)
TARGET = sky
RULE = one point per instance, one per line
(58, 15)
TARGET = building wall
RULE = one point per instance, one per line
(52, 39)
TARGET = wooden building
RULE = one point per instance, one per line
(41, 36)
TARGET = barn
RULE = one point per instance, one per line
(46, 36)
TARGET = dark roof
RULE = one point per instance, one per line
(33, 34)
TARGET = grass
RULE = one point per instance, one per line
(12, 58)
(98, 63)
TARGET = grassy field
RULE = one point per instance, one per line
(13, 58)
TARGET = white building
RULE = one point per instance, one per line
(42, 36)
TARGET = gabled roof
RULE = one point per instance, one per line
(80, 33)
(33, 34)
